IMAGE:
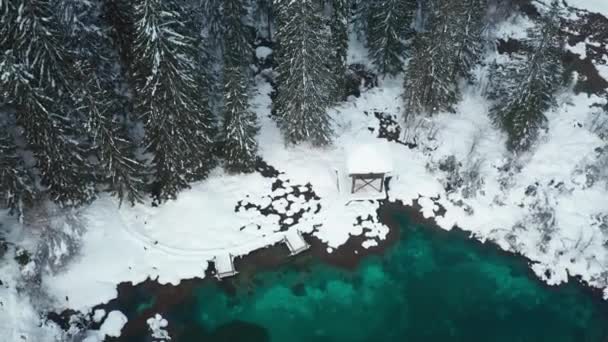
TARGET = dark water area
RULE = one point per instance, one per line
(430, 285)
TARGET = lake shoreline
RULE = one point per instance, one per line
(347, 257)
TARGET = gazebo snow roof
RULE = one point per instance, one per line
(370, 157)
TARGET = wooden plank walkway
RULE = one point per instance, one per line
(224, 265)
(295, 242)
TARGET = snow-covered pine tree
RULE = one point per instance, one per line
(263, 18)
(35, 80)
(211, 54)
(524, 88)
(214, 23)
(17, 190)
(239, 145)
(240, 123)
(119, 14)
(7, 23)
(430, 82)
(389, 27)
(339, 40)
(360, 10)
(100, 98)
(39, 43)
(305, 81)
(237, 49)
(169, 97)
(468, 29)
(119, 167)
(418, 84)
(427, 11)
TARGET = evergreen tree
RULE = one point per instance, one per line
(389, 26)
(40, 44)
(17, 190)
(35, 71)
(339, 40)
(120, 169)
(468, 30)
(237, 49)
(170, 97)
(305, 82)
(428, 9)
(240, 123)
(360, 10)
(214, 24)
(430, 83)
(7, 23)
(431, 80)
(119, 14)
(211, 51)
(264, 19)
(100, 98)
(524, 87)
(418, 96)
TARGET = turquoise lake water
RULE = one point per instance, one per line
(430, 286)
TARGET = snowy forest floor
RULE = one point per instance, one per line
(550, 204)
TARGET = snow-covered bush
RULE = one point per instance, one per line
(598, 124)
(158, 326)
(472, 180)
(458, 180)
(76, 329)
(60, 231)
(420, 130)
(512, 239)
(601, 222)
(508, 170)
(465, 178)
(601, 165)
(593, 170)
(359, 78)
(540, 217)
(451, 167)
(597, 170)
(3, 247)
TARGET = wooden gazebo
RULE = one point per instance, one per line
(368, 165)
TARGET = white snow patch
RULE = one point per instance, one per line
(370, 157)
(597, 6)
(369, 243)
(579, 49)
(515, 28)
(113, 324)
(98, 315)
(262, 52)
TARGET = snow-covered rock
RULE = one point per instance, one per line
(158, 325)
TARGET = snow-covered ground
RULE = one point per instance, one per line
(596, 6)
(19, 318)
(176, 240)
(544, 204)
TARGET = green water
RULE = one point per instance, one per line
(431, 286)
